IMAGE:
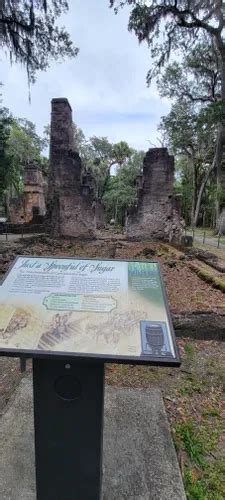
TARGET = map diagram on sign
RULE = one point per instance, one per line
(86, 307)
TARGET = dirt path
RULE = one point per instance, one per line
(186, 291)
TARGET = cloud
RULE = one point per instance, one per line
(105, 84)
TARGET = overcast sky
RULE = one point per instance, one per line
(105, 83)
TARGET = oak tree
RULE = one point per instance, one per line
(173, 26)
(30, 34)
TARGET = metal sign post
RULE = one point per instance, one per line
(68, 416)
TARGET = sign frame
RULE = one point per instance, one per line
(95, 357)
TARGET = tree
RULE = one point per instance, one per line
(193, 86)
(196, 79)
(79, 141)
(190, 134)
(121, 192)
(24, 141)
(98, 156)
(29, 33)
(183, 185)
(20, 145)
(121, 153)
(107, 155)
(172, 25)
(5, 121)
(24, 145)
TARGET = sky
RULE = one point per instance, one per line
(105, 84)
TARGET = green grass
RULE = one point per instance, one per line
(190, 386)
(189, 350)
(195, 489)
(210, 411)
(209, 487)
(204, 473)
(187, 439)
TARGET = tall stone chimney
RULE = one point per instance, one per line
(155, 216)
(70, 197)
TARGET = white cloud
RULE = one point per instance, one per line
(105, 84)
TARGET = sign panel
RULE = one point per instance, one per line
(114, 310)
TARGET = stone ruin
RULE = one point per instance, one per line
(157, 212)
(71, 207)
(30, 206)
(70, 202)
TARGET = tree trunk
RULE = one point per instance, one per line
(204, 219)
(220, 148)
(217, 161)
(194, 193)
(7, 204)
(201, 190)
(116, 211)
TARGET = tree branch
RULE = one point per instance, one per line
(182, 14)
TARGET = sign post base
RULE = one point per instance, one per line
(68, 417)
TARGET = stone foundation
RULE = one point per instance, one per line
(156, 215)
(70, 199)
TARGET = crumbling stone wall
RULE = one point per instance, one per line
(70, 196)
(156, 214)
(31, 203)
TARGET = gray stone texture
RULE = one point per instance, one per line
(139, 459)
(156, 214)
(70, 199)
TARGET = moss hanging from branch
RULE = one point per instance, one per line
(30, 35)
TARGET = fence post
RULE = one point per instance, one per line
(6, 231)
(203, 238)
(218, 242)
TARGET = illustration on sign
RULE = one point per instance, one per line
(110, 308)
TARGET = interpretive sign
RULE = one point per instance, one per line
(64, 313)
(115, 310)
